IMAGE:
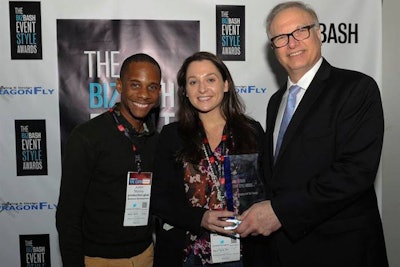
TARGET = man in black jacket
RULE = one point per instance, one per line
(95, 227)
(320, 172)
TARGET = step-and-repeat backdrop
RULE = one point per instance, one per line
(59, 65)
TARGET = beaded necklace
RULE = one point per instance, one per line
(217, 172)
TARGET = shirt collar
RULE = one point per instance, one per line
(307, 78)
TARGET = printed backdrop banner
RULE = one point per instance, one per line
(98, 48)
(25, 30)
(71, 78)
(231, 32)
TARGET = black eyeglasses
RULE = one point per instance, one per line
(299, 35)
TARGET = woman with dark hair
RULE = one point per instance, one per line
(195, 188)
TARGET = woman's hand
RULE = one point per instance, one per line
(214, 221)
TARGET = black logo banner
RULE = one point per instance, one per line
(25, 30)
(31, 147)
(35, 250)
(231, 35)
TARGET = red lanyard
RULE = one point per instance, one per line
(138, 161)
(221, 176)
(212, 158)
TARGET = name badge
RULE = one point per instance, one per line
(137, 202)
(224, 249)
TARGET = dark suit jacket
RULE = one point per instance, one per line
(322, 183)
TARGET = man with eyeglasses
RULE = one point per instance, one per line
(322, 208)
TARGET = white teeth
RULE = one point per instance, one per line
(295, 54)
(204, 98)
(141, 105)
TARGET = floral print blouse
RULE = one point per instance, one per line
(201, 191)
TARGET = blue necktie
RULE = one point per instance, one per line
(287, 115)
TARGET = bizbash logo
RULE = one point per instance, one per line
(339, 33)
(35, 250)
(250, 89)
(17, 207)
(24, 90)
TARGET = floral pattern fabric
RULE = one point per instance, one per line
(201, 191)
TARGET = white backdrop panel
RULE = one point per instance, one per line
(365, 56)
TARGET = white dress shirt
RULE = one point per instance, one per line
(304, 82)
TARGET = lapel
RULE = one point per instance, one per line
(312, 93)
(272, 112)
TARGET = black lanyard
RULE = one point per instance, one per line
(116, 113)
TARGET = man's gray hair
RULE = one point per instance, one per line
(291, 4)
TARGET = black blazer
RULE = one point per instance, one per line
(322, 183)
(169, 202)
